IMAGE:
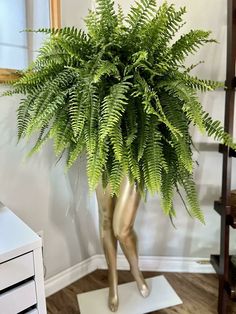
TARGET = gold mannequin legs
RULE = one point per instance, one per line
(106, 206)
(123, 221)
(117, 216)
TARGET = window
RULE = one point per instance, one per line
(17, 48)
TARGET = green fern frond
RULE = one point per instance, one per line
(116, 177)
(92, 22)
(162, 29)
(167, 190)
(191, 67)
(140, 14)
(133, 165)
(189, 43)
(143, 132)
(61, 132)
(74, 150)
(186, 99)
(23, 115)
(43, 117)
(131, 123)
(153, 161)
(42, 139)
(92, 118)
(174, 22)
(153, 106)
(96, 161)
(188, 184)
(198, 84)
(181, 144)
(120, 16)
(106, 68)
(214, 128)
(75, 110)
(117, 142)
(113, 106)
(108, 20)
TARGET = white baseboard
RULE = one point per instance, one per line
(70, 275)
(147, 263)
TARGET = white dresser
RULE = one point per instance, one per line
(21, 267)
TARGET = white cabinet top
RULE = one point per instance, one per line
(16, 238)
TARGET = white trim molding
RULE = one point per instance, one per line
(147, 263)
(70, 275)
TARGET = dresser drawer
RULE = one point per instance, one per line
(35, 311)
(18, 299)
(16, 270)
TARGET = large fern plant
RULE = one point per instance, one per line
(121, 93)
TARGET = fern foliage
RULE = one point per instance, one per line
(121, 93)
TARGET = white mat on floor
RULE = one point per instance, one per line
(130, 301)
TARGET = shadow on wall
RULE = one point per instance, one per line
(84, 208)
(171, 241)
(73, 212)
(190, 238)
(46, 198)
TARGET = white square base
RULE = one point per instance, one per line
(130, 301)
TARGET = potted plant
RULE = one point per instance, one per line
(122, 94)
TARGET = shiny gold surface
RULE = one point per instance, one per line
(116, 220)
(106, 206)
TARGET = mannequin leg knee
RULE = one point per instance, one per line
(122, 232)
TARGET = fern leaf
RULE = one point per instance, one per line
(214, 128)
(113, 106)
(74, 150)
(117, 142)
(133, 165)
(140, 14)
(198, 84)
(153, 161)
(96, 161)
(116, 177)
(187, 100)
(189, 186)
(92, 123)
(39, 143)
(167, 191)
(108, 19)
(106, 68)
(92, 22)
(120, 16)
(189, 43)
(143, 133)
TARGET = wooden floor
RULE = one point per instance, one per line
(198, 292)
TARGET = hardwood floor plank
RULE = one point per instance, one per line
(198, 292)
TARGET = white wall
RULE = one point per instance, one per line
(39, 192)
(74, 11)
(42, 195)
